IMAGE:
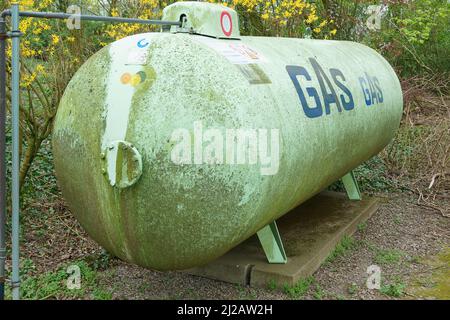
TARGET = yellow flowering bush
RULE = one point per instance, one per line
(49, 57)
(41, 40)
(142, 9)
(289, 18)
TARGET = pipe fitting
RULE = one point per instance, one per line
(14, 34)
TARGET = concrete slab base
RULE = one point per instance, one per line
(310, 232)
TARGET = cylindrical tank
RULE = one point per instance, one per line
(172, 148)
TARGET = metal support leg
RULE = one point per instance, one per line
(272, 244)
(351, 186)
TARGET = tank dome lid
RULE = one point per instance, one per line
(203, 18)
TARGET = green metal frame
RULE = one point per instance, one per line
(351, 186)
(272, 244)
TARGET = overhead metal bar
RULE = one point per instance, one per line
(61, 15)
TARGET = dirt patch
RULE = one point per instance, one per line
(53, 238)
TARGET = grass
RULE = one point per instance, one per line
(319, 293)
(272, 285)
(299, 289)
(436, 284)
(100, 261)
(143, 287)
(395, 289)
(346, 244)
(352, 288)
(388, 257)
(362, 226)
(397, 219)
(245, 293)
(101, 294)
(54, 285)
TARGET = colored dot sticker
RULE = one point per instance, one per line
(226, 23)
(142, 75)
(134, 79)
(125, 78)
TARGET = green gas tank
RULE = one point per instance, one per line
(173, 147)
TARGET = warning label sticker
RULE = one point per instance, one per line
(235, 52)
(226, 23)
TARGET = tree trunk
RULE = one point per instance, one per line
(30, 153)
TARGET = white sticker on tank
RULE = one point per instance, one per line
(234, 51)
(138, 57)
(139, 50)
(123, 80)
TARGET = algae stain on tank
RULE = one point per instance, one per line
(333, 104)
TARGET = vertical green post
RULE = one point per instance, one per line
(15, 192)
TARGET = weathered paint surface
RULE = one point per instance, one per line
(180, 216)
